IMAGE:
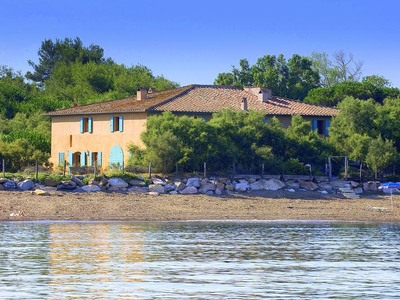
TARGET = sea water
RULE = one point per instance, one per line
(199, 260)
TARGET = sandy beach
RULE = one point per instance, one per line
(260, 205)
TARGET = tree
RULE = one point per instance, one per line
(343, 68)
(381, 153)
(291, 79)
(67, 51)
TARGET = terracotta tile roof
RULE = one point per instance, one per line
(201, 99)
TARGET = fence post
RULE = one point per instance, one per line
(205, 170)
(4, 168)
(150, 165)
(176, 168)
(95, 169)
(37, 171)
(233, 171)
(64, 167)
(262, 171)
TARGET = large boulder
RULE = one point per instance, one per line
(67, 185)
(135, 182)
(51, 182)
(194, 181)
(77, 181)
(117, 183)
(91, 188)
(156, 188)
(189, 190)
(308, 185)
(206, 187)
(242, 186)
(138, 189)
(10, 185)
(26, 185)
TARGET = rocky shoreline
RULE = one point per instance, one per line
(42, 202)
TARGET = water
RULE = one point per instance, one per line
(199, 260)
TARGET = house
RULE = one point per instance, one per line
(99, 133)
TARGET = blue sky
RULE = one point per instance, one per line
(192, 41)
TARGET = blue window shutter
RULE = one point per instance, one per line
(90, 163)
(314, 125)
(112, 124)
(99, 158)
(81, 124)
(121, 123)
(70, 159)
(61, 158)
(327, 124)
(90, 124)
(83, 158)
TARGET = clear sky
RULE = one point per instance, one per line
(192, 41)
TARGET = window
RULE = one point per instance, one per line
(86, 125)
(61, 158)
(116, 123)
(321, 126)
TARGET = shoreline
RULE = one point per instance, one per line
(263, 205)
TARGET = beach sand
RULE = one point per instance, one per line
(255, 205)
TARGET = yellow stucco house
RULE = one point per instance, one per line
(99, 133)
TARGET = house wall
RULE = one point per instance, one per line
(67, 138)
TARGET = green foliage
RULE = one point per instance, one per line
(292, 79)
(230, 137)
(380, 154)
(333, 95)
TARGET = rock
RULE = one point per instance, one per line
(308, 185)
(138, 189)
(271, 184)
(325, 186)
(180, 186)
(135, 182)
(294, 184)
(189, 190)
(370, 186)
(67, 185)
(169, 187)
(117, 182)
(40, 192)
(194, 181)
(206, 187)
(77, 181)
(51, 182)
(9, 185)
(3, 180)
(1, 187)
(242, 186)
(153, 194)
(156, 188)
(158, 181)
(26, 185)
(354, 184)
(218, 191)
(91, 188)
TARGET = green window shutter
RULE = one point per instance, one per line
(112, 124)
(83, 158)
(90, 124)
(90, 162)
(61, 158)
(314, 125)
(327, 124)
(70, 159)
(81, 125)
(99, 158)
(121, 123)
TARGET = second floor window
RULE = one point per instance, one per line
(116, 123)
(86, 125)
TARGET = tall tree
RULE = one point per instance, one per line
(67, 51)
(342, 68)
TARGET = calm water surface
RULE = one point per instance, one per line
(199, 260)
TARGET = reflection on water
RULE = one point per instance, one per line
(198, 260)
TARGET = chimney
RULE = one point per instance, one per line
(141, 94)
(244, 104)
(263, 94)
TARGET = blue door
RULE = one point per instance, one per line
(116, 158)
